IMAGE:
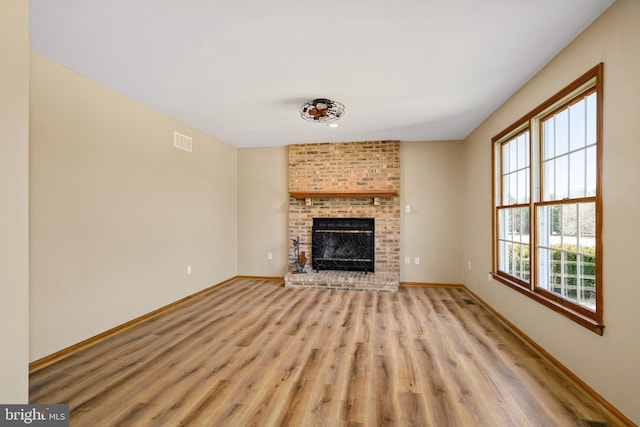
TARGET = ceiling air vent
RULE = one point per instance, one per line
(181, 141)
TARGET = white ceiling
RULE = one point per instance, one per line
(240, 69)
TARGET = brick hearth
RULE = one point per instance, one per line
(343, 280)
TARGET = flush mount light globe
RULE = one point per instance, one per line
(322, 110)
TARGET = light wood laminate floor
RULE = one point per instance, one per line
(253, 353)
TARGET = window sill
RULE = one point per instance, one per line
(579, 318)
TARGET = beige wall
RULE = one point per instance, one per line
(14, 168)
(431, 184)
(118, 212)
(608, 363)
(262, 211)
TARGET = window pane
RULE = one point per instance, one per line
(550, 226)
(505, 190)
(527, 194)
(514, 217)
(520, 257)
(523, 151)
(509, 255)
(549, 139)
(544, 226)
(566, 251)
(544, 258)
(562, 178)
(587, 296)
(591, 172)
(513, 191)
(527, 150)
(555, 214)
(591, 118)
(515, 170)
(549, 183)
(556, 269)
(577, 125)
(505, 159)
(577, 176)
(513, 242)
(515, 225)
(523, 186)
(587, 235)
(513, 157)
(569, 226)
(526, 264)
(562, 132)
(571, 278)
(525, 225)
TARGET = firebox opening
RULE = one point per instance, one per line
(343, 244)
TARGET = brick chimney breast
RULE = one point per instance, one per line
(354, 168)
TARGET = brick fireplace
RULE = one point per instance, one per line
(346, 180)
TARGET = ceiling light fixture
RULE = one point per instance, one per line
(322, 110)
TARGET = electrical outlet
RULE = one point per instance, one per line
(407, 208)
(416, 260)
(188, 270)
(489, 276)
(407, 260)
(469, 265)
(269, 255)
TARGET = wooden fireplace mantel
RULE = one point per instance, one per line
(373, 194)
(340, 194)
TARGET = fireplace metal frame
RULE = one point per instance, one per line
(343, 244)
